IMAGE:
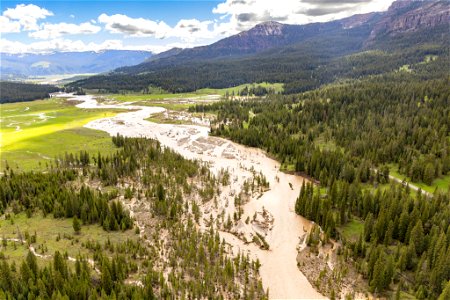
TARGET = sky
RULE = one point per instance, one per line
(49, 26)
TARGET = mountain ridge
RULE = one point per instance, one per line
(304, 55)
(276, 34)
(32, 64)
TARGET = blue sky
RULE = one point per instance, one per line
(46, 26)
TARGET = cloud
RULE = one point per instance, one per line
(65, 45)
(246, 17)
(192, 30)
(245, 14)
(51, 31)
(325, 10)
(134, 26)
(7, 26)
(186, 29)
(27, 15)
(68, 45)
(230, 17)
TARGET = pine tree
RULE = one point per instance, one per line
(417, 238)
(76, 225)
(377, 282)
(107, 283)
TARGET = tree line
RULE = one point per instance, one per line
(344, 136)
(379, 121)
(172, 258)
(301, 67)
(19, 92)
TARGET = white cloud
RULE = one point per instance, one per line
(244, 14)
(66, 45)
(7, 26)
(192, 30)
(134, 26)
(231, 17)
(51, 31)
(27, 15)
(189, 30)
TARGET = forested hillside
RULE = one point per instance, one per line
(348, 195)
(170, 258)
(18, 92)
(344, 136)
(395, 118)
(301, 56)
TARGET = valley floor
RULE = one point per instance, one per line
(282, 228)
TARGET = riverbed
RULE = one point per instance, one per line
(279, 271)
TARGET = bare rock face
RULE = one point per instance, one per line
(270, 28)
(358, 20)
(263, 36)
(410, 16)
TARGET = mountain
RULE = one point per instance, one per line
(170, 52)
(301, 56)
(262, 37)
(69, 62)
(411, 16)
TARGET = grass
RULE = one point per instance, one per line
(278, 87)
(405, 68)
(168, 101)
(323, 144)
(47, 230)
(32, 133)
(430, 58)
(172, 101)
(58, 78)
(287, 167)
(323, 190)
(149, 97)
(352, 230)
(162, 95)
(406, 296)
(441, 184)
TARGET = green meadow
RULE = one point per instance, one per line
(34, 133)
(162, 95)
(53, 235)
(352, 230)
(441, 184)
(278, 87)
(149, 97)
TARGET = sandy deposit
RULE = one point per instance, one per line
(279, 270)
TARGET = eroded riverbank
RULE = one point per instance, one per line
(279, 271)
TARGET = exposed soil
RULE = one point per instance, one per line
(269, 214)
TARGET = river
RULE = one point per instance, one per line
(278, 270)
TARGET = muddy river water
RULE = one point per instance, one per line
(279, 270)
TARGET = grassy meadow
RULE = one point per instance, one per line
(278, 87)
(53, 235)
(162, 95)
(33, 133)
(441, 184)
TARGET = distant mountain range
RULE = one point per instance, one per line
(22, 65)
(406, 16)
(260, 38)
(304, 55)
